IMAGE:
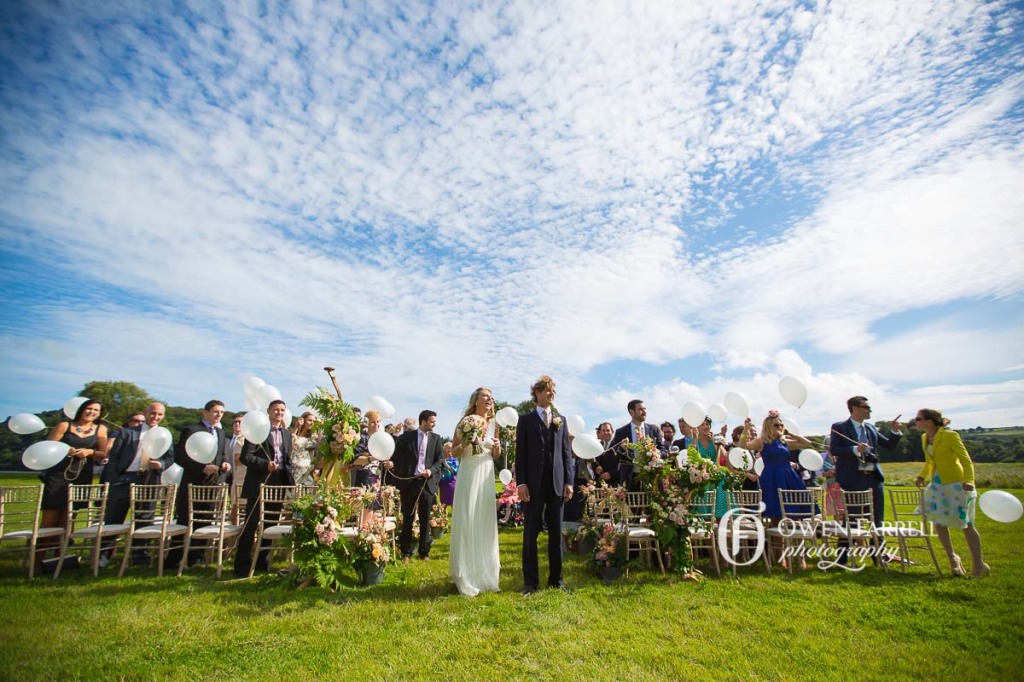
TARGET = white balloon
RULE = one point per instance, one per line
(586, 446)
(72, 405)
(575, 424)
(378, 404)
(172, 475)
(266, 395)
(252, 387)
(44, 454)
(1000, 505)
(736, 403)
(25, 424)
(381, 446)
(793, 391)
(157, 441)
(791, 425)
(693, 413)
(389, 411)
(741, 459)
(200, 446)
(251, 404)
(811, 460)
(758, 466)
(288, 418)
(256, 426)
(505, 476)
(717, 413)
(507, 416)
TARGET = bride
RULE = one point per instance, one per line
(474, 541)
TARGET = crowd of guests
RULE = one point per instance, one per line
(287, 457)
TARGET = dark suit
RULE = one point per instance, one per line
(418, 494)
(609, 463)
(192, 471)
(848, 473)
(257, 457)
(545, 465)
(626, 457)
(122, 454)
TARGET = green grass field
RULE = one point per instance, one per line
(814, 625)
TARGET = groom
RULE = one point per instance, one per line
(545, 470)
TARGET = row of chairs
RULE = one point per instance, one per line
(805, 522)
(150, 525)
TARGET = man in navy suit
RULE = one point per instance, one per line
(127, 464)
(545, 470)
(854, 451)
(418, 464)
(267, 462)
(631, 433)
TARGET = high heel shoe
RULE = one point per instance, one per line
(956, 567)
(982, 571)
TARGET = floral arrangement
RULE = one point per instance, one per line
(371, 543)
(439, 516)
(338, 426)
(471, 433)
(321, 552)
(647, 459)
(610, 549)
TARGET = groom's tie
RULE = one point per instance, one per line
(547, 419)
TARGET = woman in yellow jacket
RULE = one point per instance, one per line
(950, 498)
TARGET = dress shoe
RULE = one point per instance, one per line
(982, 571)
(956, 567)
(104, 561)
(424, 558)
(527, 591)
(560, 585)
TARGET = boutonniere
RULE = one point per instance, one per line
(557, 421)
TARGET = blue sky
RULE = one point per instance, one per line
(659, 200)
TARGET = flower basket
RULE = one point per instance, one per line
(370, 573)
(437, 533)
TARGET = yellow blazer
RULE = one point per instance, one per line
(948, 457)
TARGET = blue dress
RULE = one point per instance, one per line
(710, 451)
(777, 475)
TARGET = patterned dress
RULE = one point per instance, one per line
(710, 451)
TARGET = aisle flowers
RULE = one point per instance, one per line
(371, 551)
(439, 521)
(338, 427)
(321, 552)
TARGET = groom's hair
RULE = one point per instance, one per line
(542, 384)
(425, 415)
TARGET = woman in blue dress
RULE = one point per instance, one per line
(778, 473)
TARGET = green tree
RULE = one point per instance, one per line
(119, 398)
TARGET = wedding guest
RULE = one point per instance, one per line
(668, 433)
(750, 480)
(450, 476)
(606, 466)
(233, 454)
(636, 429)
(854, 447)
(709, 449)
(366, 468)
(128, 464)
(267, 462)
(87, 439)
(418, 462)
(686, 435)
(778, 473)
(303, 445)
(950, 498)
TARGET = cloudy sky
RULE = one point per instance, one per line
(661, 200)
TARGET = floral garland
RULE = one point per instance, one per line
(338, 426)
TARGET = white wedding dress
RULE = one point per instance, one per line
(474, 565)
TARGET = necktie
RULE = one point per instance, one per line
(421, 463)
(547, 419)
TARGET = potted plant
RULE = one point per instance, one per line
(439, 520)
(609, 550)
(321, 553)
(371, 551)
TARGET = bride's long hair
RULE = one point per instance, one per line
(471, 408)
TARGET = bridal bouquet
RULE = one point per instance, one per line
(471, 432)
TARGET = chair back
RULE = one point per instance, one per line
(278, 513)
(152, 504)
(608, 505)
(859, 510)
(638, 508)
(798, 504)
(207, 504)
(87, 505)
(908, 509)
(19, 508)
(747, 501)
(702, 507)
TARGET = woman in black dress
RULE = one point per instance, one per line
(88, 441)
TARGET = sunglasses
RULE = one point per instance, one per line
(920, 419)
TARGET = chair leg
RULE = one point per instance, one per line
(128, 543)
(931, 551)
(256, 552)
(184, 553)
(32, 557)
(60, 557)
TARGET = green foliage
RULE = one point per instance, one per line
(338, 425)
(119, 398)
(321, 552)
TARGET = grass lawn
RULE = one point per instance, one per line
(815, 625)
